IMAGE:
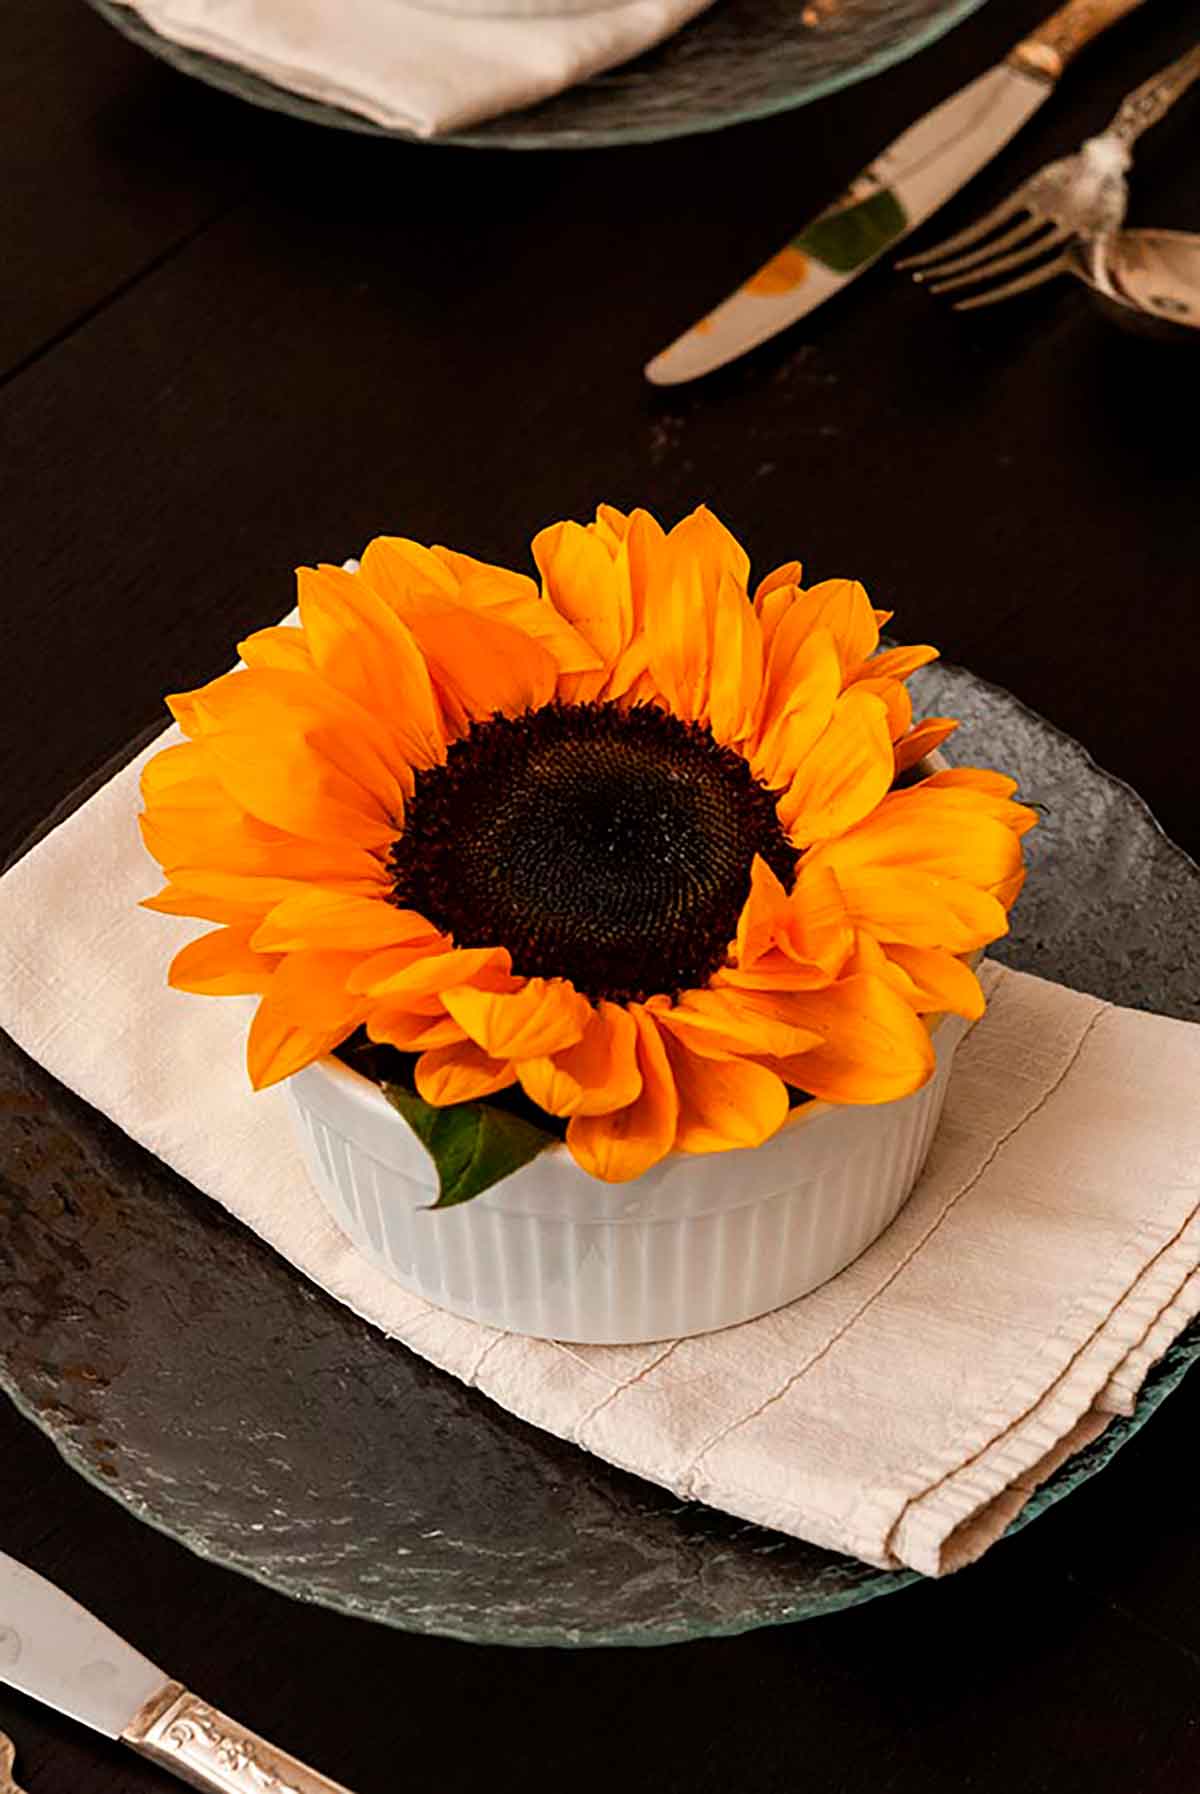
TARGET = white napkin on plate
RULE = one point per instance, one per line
(407, 68)
(903, 1413)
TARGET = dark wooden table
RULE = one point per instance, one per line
(229, 343)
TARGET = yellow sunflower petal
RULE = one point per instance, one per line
(222, 964)
(942, 982)
(842, 607)
(640, 563)
(517, 588)
(225, 896)
(315, 918)
(187, 829)
(845, 775)
(724, 1104)
(276, 1048)
(480, 665)
(171, 901)
(951, 832)
(764, 914)
(580, 579)
(703, 541)
(460, 1074)
(735, 682)
(894, 663)
(817, 932)
(896, 700)
(403, 572)
(975, 790)
(874, 1049)
(700, 558)
(923, 739)
(305, 1012)
(513, 598)
(1007, 890)
(869, 958)
(627, 1142)
(301, 756)
(790, 941)
(922, 909)
(715, 1024)
(542, 1017)
(614, 521)
(283, 647)
(361, 646)
(595, 1076)
(393, 974)
(789, 574)
(971, 778)
(172, 767)
(411, 1031)
(801, 686)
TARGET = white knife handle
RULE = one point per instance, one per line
(207, 1750)
(1052, 45)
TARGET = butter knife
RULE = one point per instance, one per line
(55, 1650)
(915, 175)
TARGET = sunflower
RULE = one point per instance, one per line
(638, 840)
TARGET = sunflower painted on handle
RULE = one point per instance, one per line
(632, 840)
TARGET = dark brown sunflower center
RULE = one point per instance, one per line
(608, 846)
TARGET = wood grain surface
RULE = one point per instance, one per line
(230, 343)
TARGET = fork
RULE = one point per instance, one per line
(1078, 198)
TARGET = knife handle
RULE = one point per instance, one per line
(1059, 39)
(207, 1750)
(1150, 102)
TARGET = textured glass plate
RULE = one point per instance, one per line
(178, 1363)
(742, 59)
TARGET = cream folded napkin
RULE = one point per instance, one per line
(407, 68)
(903, 1413)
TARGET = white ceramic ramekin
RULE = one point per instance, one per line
(696, 1243)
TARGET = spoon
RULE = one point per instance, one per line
(1147, 281)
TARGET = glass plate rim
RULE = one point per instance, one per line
(1077, 1470)
(257, 90)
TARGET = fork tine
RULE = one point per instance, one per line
(1028, 227)
(1060, 265)
(964, 238)
(1020, 258)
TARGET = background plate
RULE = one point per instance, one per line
(742, 59)
(177, 1362)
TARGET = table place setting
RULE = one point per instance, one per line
(1073, 208)
(557, 1155)
(585, 1085)
(453, 70)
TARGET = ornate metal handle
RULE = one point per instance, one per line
(1154, 98)
(7, 1758)
(1052, 45)
(205, 1749)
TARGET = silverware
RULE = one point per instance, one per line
(922, 169)
(1077, 199)
(1147, 281)
(55, 1650)
(8, 1783)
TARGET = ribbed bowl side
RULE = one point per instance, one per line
(605, 1281)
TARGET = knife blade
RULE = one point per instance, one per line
(56, 1651)
(924, 167)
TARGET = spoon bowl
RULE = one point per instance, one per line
(1146, 281)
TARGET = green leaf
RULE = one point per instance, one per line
(847, 239)
(473, 1145)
